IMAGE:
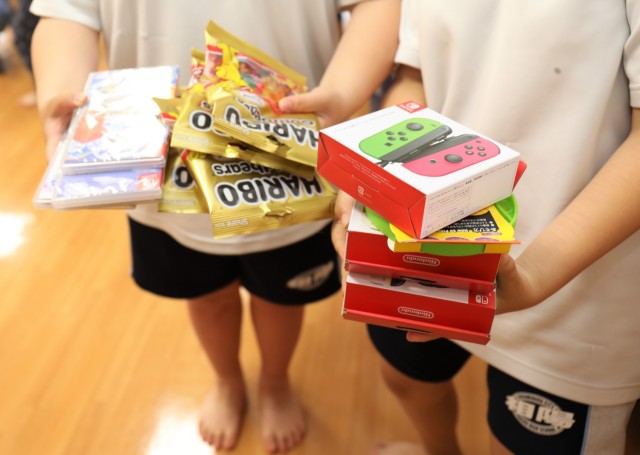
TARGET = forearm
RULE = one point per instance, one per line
(364, 57)
(577, 237)
(63, 54)
(407, 86)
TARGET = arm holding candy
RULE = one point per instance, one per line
(358, 67)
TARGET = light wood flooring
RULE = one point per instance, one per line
(90, 364)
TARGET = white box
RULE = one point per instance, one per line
(417, 168)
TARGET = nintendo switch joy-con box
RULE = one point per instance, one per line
(415, 167)
(404, 141)
(409, 304)
(370, 251)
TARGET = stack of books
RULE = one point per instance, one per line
(114, 151)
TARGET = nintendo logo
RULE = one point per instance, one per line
(411, 106)
(424, 314)
(422, 260)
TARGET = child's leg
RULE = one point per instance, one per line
(163, 266)
(216, 319)
(281, 282)
(277, 330)
(419, 375)
(432, 407)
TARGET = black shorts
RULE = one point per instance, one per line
(296, 274)
(525, 419)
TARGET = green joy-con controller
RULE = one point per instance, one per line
(400, 141)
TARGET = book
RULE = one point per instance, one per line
(120, 126)
(122, 188)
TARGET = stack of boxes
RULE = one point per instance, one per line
(434, 213)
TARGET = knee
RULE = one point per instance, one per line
(406, 387)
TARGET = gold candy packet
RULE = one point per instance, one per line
(194, 130)
(180, 193)
(244, 198)
(169, 110)
(244, 65)
(230, 123)
(249, 119)
(245, 153)
(197, 70)
(245, 102)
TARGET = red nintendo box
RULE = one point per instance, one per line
(407, 305)
(368, 252)
(415, 167)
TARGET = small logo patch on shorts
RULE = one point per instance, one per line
(311, 279)
(538, 414)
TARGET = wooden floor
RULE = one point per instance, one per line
(90, 364)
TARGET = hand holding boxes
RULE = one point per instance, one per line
(434, 214)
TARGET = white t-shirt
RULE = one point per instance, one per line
(302, 34)
(555, 81)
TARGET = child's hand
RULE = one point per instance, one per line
(56, 115)
(419, 337)
(342, 213)
(515, 290)
(321, 101)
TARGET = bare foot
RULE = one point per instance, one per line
(282, 418)
(222, 412)
(398, 448)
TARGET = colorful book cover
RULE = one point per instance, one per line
(120, 126)
(114, 188)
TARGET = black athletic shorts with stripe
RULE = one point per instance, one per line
(297, 274)
(525, 419)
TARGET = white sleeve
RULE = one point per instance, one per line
(632, 51)
(408, 49)
(84, 12)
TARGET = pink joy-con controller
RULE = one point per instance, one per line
(452, 154)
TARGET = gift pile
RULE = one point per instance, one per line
(226, 148)
(434, 213)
